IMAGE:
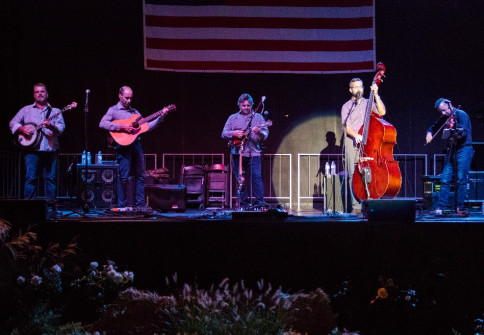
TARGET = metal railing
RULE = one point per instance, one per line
(12, 167)
(277, 173)
(413, 167)
(10, 174)
(174, 162)
(310, 183)
(310, 165)
(276, 178)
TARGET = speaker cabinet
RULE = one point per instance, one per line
(166, 197)
(475, 186)
(389, 209)
(98, 187)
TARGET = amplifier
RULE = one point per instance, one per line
(475, 189)
(166, 197)
(475, 186)
(98, 187)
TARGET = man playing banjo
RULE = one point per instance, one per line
(41, 157)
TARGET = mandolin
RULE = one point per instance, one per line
(238, 142)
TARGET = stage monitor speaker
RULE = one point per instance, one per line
(102, 182)
(166, 197)
(389, 209)
(475, 186)
(22, 213)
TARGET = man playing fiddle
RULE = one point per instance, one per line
(459, 153)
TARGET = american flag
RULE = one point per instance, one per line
(260, 36)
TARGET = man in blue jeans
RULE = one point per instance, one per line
(129, 157)
(249, 127)
(458, 130)
(41, 156)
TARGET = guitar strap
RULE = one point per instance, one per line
(49, 110)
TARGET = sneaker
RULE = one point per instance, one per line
(437, 212)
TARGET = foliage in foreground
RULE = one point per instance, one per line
(225, 309)
(44, 291)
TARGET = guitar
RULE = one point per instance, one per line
(139, 124)
(238, 142)
(36, 134)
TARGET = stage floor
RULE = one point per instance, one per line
(221, 214)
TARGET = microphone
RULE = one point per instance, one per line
(263, 98)
(87, 96)
(358, 96)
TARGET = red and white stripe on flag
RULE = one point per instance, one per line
(259, 36)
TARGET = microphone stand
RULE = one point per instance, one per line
(85, 205)
(346, 166)
(250, 151)
(453, 152)
(250, 159)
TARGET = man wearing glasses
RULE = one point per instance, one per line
(352, 119)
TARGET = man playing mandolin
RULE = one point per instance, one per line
(246, 130)
(41, 158)
(352, 118)
(120, 119)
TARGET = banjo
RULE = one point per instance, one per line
(36, 134)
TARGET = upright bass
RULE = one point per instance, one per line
(377, 175)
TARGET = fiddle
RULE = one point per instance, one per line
(449, 122)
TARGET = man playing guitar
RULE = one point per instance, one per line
(119, 119)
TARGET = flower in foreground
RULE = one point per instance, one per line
(36, 280)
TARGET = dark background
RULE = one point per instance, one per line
(431, 49)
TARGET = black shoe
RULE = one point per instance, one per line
(260, 204)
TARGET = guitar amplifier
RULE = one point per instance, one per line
(475, 189)
(475, 186)
(166, 197)
(98, 187)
